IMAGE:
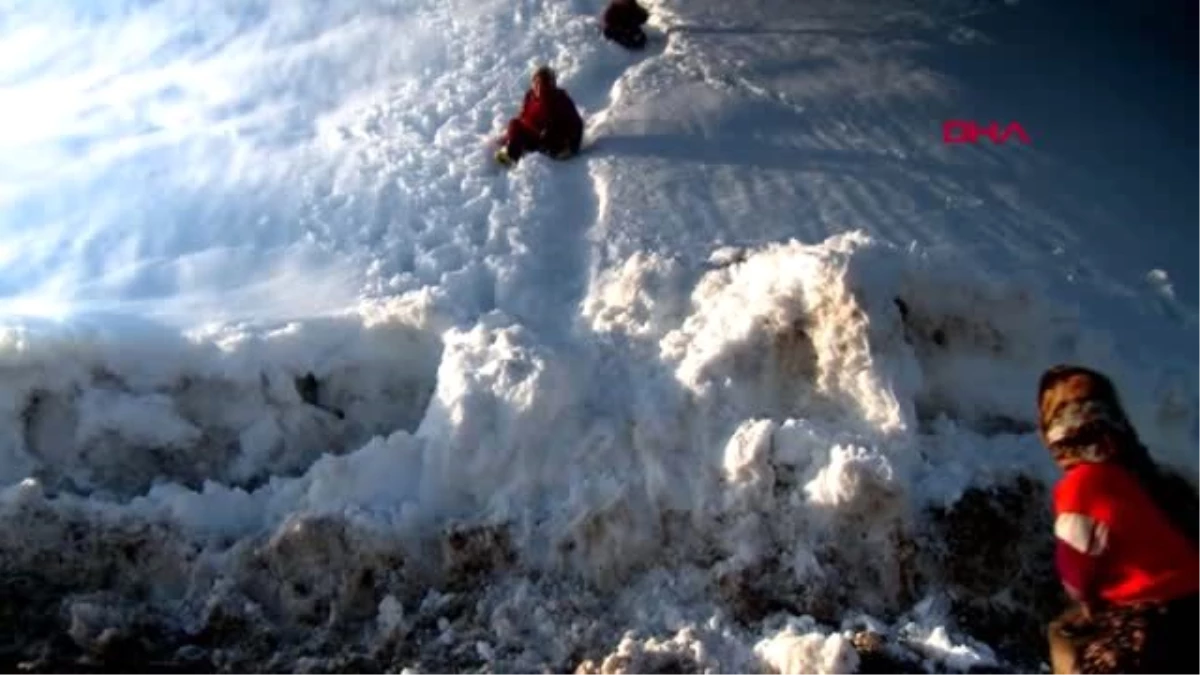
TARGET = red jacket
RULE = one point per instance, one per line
(1113, 542)
(553, 118)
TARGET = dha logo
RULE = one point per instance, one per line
(966, 131)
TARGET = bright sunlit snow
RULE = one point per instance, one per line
(291, 372)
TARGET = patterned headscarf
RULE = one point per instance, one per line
(1081, 418)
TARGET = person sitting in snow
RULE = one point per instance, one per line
(622, 23)
(1125, 535)
(548, 122)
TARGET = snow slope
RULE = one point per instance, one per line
(294, 379)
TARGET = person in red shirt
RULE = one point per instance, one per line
(548, 122)
(622, 23)
(1125, 537)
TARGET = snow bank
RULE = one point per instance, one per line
(88, 409)
(791, 444)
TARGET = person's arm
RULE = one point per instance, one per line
(503, 138)
(549, 121)
(1081, 533)
(525, 105)
(571, 123)
(1077, 556)
(554, 118)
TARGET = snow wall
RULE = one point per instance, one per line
(748, 466)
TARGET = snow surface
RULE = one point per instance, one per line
(757, 331)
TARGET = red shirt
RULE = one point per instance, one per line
(1114, 543)
(536, 112)
(553, 112)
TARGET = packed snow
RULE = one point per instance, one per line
(293, 378)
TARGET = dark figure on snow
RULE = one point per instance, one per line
(622, 23)
(548, 123)
(1125, 534)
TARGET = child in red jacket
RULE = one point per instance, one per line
(1126, 537)
(548, 122)
(622, 23)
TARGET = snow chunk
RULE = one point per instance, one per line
(800, 647)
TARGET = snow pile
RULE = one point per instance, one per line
(89, 409)
(788, 449)
(801, 647)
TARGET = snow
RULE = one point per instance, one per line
(802, 648)
(291, 372)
